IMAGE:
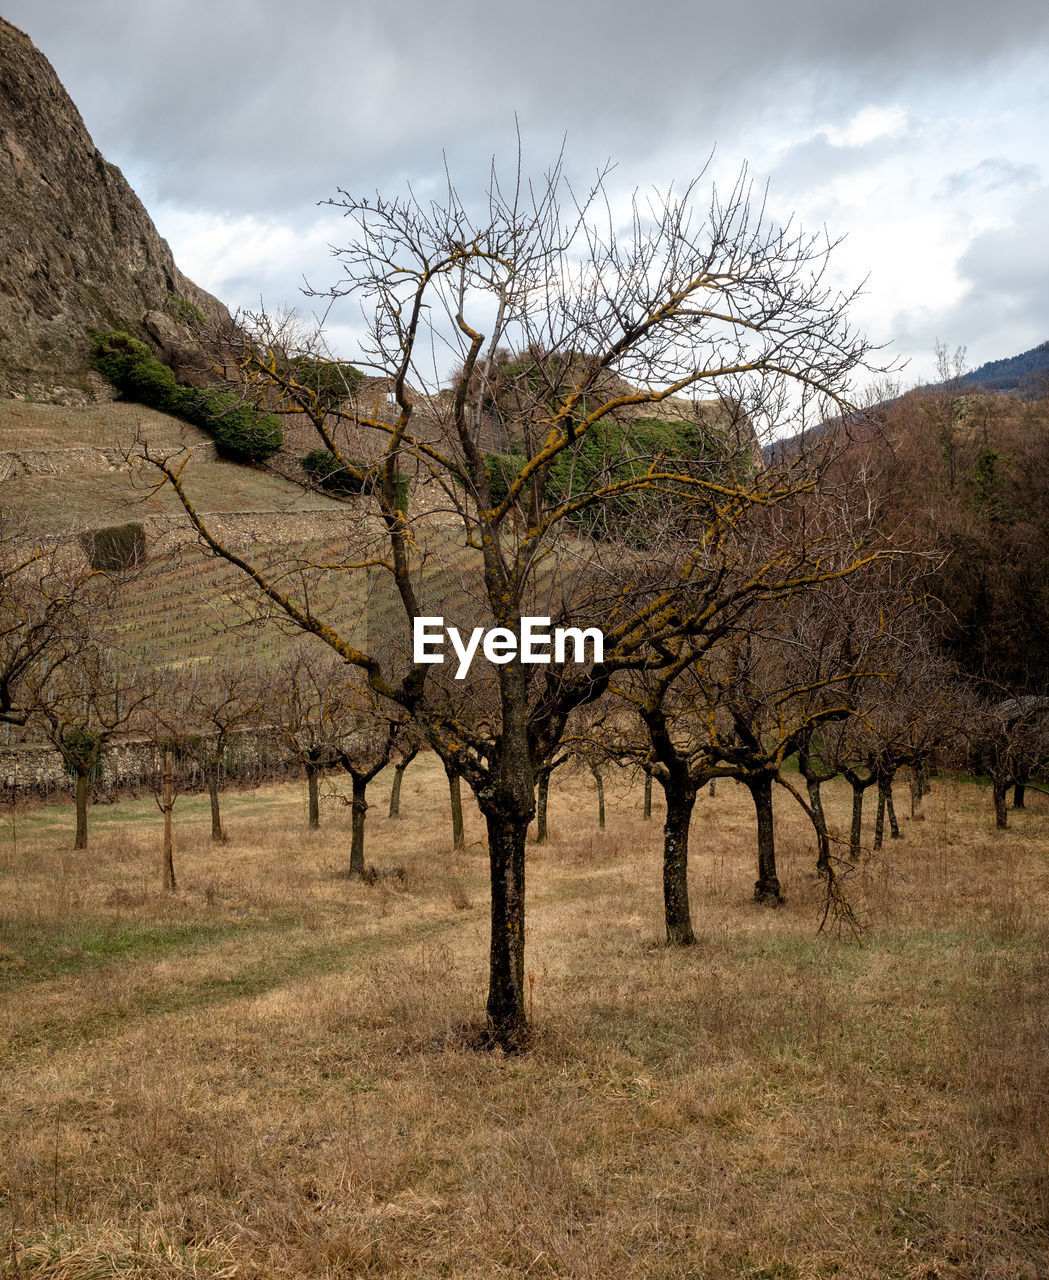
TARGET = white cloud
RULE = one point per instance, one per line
(866, 126)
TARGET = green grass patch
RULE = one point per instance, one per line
(250, 976)
(34, 950)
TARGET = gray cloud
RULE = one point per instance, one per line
(1007, 269)
(227, 108)
(991, 174)
(818, 161)
(248, 105)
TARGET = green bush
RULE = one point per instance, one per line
(502, 468)
(185, 748)
(612, 453)
(332, 380)
(326, 472)
(131, 367)
(115, 547)
(78, 745)
(241, 432)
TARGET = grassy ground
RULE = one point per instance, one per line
(268, 1073)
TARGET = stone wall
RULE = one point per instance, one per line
(134, 762)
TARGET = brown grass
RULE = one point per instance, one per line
(271, 1072)
(27, 425)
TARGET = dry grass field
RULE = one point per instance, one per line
(269, 1072)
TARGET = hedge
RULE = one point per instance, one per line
(240, 432)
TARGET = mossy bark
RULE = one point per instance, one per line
(507, 1018)
(218, 836)
(80, 840)
(169, 840)
(313, 775)
(455, 795)
(542, 798)
(856, 829)
(767, 886)
(1001, 809)
(395, 790)
(507, 800)
(358, 810)
(681, 800)
(819, 821)
(600, 784)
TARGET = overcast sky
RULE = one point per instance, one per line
(916, 129)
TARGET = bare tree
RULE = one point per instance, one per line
(302, 701)
(223, 702)
(544, 772)
(708, 315)
(171, 722)
(1009, 741)
(42, 588)
(97, 694)
(372, 730)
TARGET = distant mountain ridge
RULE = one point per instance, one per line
(1025, 375)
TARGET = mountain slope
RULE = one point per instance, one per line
(77, 249)
(1024, 375)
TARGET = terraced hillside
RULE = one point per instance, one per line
(63, 468)
(63, 472)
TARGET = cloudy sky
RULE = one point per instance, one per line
(916, 129)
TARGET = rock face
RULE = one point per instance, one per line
(77, 249)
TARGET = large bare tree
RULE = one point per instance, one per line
(580, 329)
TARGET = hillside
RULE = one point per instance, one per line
(63, 469)
(62, 473)
(1025, 375)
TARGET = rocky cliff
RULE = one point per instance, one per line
(77, 249)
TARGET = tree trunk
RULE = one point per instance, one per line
(1001, 811)
(80, 842)
(766, 887)
(680, 803)
(648, 797)
(455, 793)
(313, 774)
(217, 834)
(879, 821)
(1018, 796)
(542, 799)
(820, 823)
(507, 801)
(169, 843)
(856, 834)
(599, 780)
(358, 808)
(395, 793)
(507, 1018)
(890, 809)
